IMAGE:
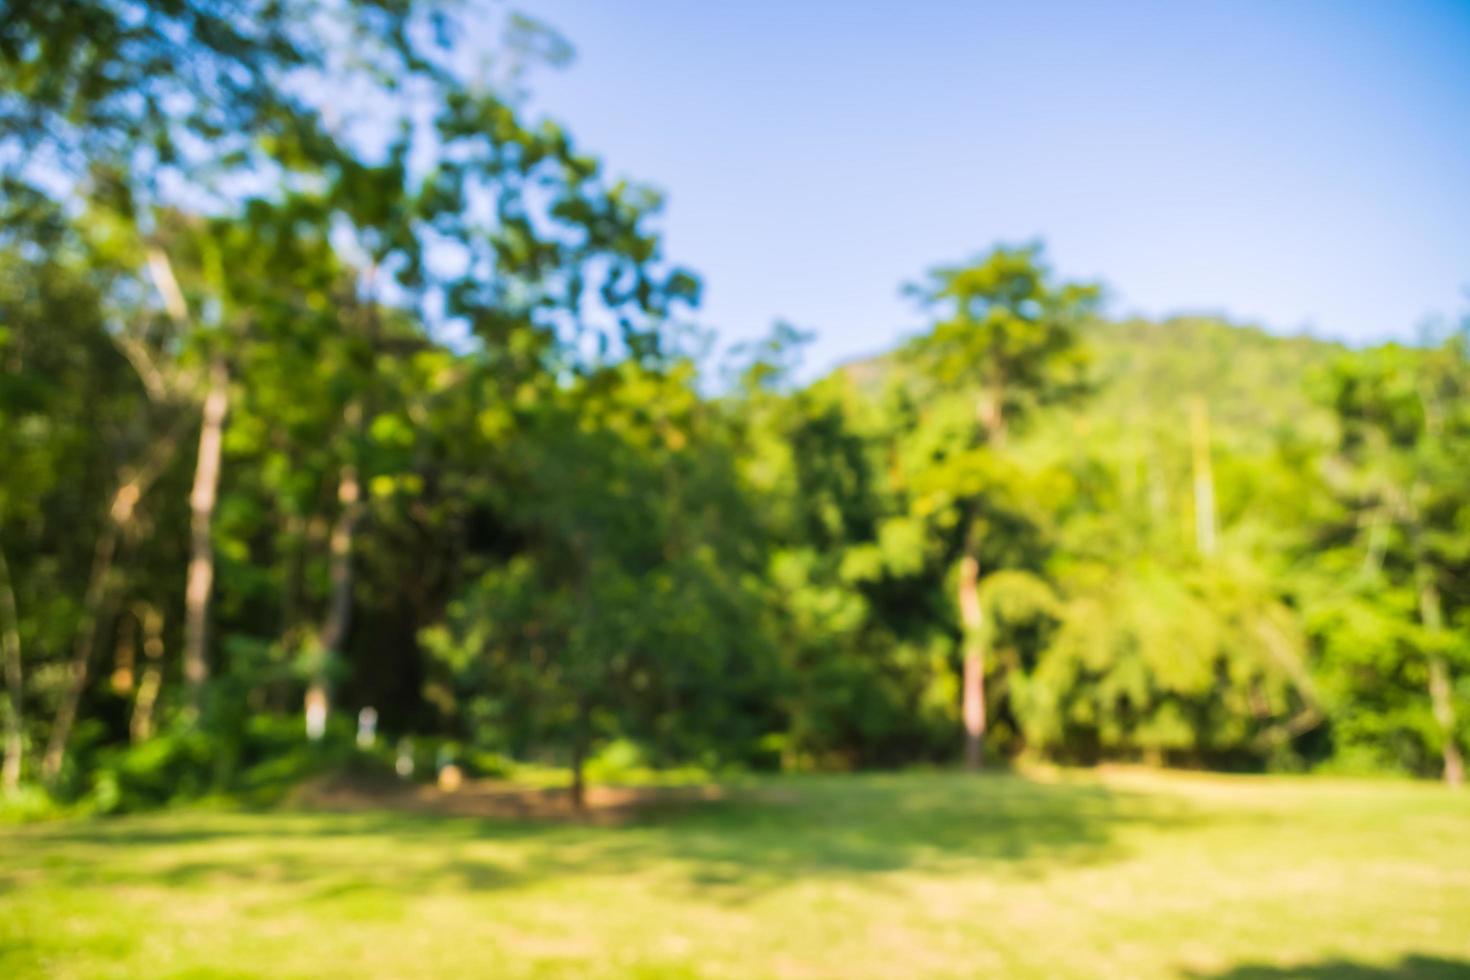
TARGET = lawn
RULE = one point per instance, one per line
(1120, 873)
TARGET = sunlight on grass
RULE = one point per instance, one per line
(1119, 873)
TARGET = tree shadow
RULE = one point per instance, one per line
(845, 826)
(1412, 967)
(758, 837)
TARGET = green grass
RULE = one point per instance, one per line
(1111, 874)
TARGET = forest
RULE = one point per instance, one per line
(379, 430)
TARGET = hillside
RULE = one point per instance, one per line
(1254, 382)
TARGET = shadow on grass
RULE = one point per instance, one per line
(867, 825)
(1414, 967)
(764, 836)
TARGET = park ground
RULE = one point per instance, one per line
(1109, 873)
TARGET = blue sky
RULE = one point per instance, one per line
(1305, 165)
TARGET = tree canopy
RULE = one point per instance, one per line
(305, 411)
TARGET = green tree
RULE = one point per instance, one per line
(625, 610)
(1006, 341)
(1398, 541)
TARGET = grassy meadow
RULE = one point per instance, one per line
(1113, 873)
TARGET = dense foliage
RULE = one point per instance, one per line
(392, 411)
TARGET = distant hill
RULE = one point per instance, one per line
(1136, 422)
(1254, 382)
(1146, 372)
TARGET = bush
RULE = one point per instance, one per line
(259, 760)
(178, 764)
(26, 804)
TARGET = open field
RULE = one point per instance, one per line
(1116, 873)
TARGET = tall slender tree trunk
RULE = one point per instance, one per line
(579, 757)
(339, 608)
(990, 414)
(1204, 479)
(1440, 689)
(94, 609)
(202, 499)
(81, 658)
(10, 649)
(973, 690)
(140, 727)
(120, 516)
(204, 494)
(1444, 714)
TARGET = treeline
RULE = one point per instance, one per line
(306, 412)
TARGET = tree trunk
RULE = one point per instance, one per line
(140, 728)
(14, 717)
(990, 412)
(81, 657)
(202, 500)
(120, 517)
(579, 759)
(1204, 479)
(1444, 715)
(339, 608)
(1440, 689)
(579, 784)
(972, 622)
